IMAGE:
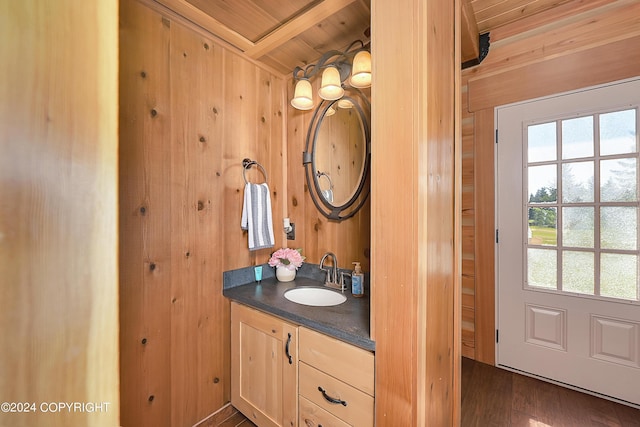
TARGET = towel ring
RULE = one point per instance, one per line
(246, 164)
(326, 175)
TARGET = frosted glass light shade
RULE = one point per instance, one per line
(302, 95)
(331, 88)
(361, 70)
(345, 103)
(330, 111)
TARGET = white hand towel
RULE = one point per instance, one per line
(257, 217)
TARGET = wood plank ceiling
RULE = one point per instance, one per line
(286, 34)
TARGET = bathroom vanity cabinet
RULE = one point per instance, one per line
(264, 367)
(287, 375)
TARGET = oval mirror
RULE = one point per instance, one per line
(337, 156)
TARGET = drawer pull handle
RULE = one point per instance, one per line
(331, 399)
(286, 349)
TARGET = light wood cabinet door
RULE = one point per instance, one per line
(264, 367)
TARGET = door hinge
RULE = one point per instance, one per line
(496, 136)
(497, 336)
(497, 237)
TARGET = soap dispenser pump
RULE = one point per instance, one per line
(357, 281)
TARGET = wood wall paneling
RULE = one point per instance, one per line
(298, 202)
(587, 46)
(252, 128)
(191, 110)
(395, 328)
(145, 241)
(58, 212)
(458, 147)
(197, 379)
(485, 238)
(413, 175)
(577, 45)
(437, 254)
(467, 226)
(493, 90)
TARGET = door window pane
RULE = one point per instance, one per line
(618, 132)
(619, 276)
(542, 266)
(543, 186)
(618, 180)
(577, 272)
(618, 227)
(577, 182)
(577, 227)
(586, 184)
(543, 226)
(541, 142)
(577, 138)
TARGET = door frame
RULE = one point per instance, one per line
(496, 290)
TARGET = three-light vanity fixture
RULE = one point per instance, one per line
(351, 67)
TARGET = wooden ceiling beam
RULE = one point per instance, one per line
(296, 26)
(469, 35)
(198, 17)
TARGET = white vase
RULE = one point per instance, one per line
(283, 274)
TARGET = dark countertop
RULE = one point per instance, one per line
(349, 321)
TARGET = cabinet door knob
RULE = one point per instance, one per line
(331, 399)
(286, 349)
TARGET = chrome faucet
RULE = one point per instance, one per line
(332, 274)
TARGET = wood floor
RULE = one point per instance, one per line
(495, 397)
(226, 417)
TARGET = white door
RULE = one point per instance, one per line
(567, 228)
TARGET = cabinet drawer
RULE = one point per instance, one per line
(358, 408)
(311, 415)
(351, 364)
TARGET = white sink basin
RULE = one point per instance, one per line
(318, 297)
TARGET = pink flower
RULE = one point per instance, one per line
(289, 258)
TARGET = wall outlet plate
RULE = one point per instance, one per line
(291, 235)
